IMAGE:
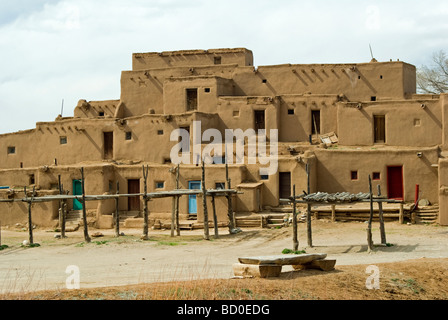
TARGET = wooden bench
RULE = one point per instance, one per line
(271, 266)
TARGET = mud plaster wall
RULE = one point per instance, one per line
(407, 123)
(334, 170)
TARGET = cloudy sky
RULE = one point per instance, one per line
(65, 50)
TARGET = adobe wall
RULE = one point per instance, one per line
(334, 168)
(407, 123)
(44, 214)
(187, 58)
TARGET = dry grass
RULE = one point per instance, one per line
(422, 279)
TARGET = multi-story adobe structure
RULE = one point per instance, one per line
(381, 127)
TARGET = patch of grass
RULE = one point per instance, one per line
(290, 251)
(101, 242)
(31, 245)
(170, 243)
(3, 246)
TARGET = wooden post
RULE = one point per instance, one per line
(294, 220)
(173, 213)
(369, 226)
(401, 214)
(229, 200)
(30, 220)
(145, 201)
(63, 207)
(215, 218)
(117, 213)
(381, 217)
(177, 201)
(84, 212)
(333, 212)
(308, 211)
(204, 203)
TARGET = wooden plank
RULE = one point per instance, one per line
(284, 259)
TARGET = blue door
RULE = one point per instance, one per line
(77, 191)
(192, 202)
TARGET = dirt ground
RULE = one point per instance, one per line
(413, 266)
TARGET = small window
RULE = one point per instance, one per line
(359, 77)
(372, 98)
(160, 132)
(62, 140)
(160, 184)
(236, 113)
(381, 77)
(220, 185)
(219, 159)
(264, 81)
(264, 177)
(101, 113)
(207, 90)
(167, 160)
(417, 122)
(354, 175)
(217, 60)
(128, 135)
(32, 180)
(290, 111)
(376, 176)
(11, 150)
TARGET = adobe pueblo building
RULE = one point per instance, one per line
(345, 122)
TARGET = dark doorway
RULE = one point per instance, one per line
(133, 202)
(284, 185)
(379, 129)
(395, 182)
(192, 99)
(77, 191)
(315, 121)
(259, 120)
(108, 138)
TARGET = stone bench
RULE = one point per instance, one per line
(271, 266)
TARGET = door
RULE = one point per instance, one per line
(379, 129)
(77, 191)
(395, 182)
(192, 200)
(259, 120)
(108, 145)
(284, 185)
(133, 202)
(315, 121)
(192, 99)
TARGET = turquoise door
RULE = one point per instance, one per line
(77, 191)
(192, 201)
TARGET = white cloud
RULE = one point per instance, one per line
(53, 50)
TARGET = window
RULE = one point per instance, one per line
(236, 113)
(217, 60)
(219, 159)
(264, 177)
(264, 81)
(192, 99)
(167, 160)
(207, 90)
(379, 129)
(62, 140)
(290, 111)
(32, 180)
(128, 135)
(220, 185)
(101, 113)
(11, 150)
(160, 132)
(354, 175)
(373, 98)
(376, 176)
(160, 184)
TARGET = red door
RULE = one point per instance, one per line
(395, 182)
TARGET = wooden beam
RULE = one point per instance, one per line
(294, 220)
(204, 204)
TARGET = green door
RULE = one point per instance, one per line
(77, 191)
